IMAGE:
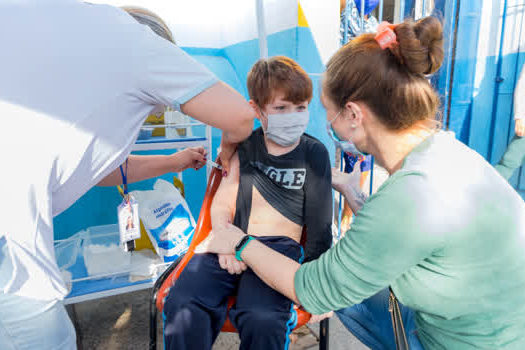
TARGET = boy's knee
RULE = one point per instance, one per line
(183, 318)
(179, 297)
(175, 299)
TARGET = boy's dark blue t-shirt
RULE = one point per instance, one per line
(298, 184)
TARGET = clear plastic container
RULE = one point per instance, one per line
(92, 261)
(67, 250)
(102, 252)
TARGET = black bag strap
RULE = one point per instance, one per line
(243, 206)
(397, 322)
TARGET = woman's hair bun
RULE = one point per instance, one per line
(420, 46)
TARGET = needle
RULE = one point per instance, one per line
(213, 164)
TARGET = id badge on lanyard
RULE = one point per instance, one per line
(128, 216)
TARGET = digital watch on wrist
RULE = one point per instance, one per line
(241, 245)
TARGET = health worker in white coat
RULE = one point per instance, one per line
(77, 81)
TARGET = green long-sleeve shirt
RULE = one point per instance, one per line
(447, 232)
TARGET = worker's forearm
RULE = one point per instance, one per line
(146, 167)
(224, 108)
(142, 168)
(275, 269)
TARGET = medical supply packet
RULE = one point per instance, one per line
(166, 218)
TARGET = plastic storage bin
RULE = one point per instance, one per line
(102, 252)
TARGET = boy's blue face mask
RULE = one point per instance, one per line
(345, 146)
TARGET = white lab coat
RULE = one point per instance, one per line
(76, 83)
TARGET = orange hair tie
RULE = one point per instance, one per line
(386, 37)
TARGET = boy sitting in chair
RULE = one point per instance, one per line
(279, 182)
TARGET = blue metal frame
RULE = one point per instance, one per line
(402, 14)
(499, 78)
(453, 37)
(443, 80)
(345, 20)
(362, 16)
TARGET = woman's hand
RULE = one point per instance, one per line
(221, 241)
(193, 157)
(520, 127)
(319, 318)
(230, 263)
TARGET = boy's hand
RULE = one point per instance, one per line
(230, 263)
(193, 157)
(520, 127)
(319, 318)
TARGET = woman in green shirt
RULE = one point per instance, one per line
(445, 230)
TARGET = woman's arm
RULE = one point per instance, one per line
(145, 167)
(276, 270)
(265, 262)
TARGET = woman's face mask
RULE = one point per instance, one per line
(344, 145)
(286, 129)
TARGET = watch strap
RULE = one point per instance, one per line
(241, 245)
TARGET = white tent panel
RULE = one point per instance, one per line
(323, 19)
(216, 24)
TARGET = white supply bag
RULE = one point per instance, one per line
(167, 219)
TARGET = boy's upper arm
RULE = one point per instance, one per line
(318, 203)
(224, 202)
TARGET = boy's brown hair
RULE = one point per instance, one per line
(278, 74)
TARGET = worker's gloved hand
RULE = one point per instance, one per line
(341, 182)
(230, 263)
(348, 186)
(520, 127)
(227, 151)
(192, 157)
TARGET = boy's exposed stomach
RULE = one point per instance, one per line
(265, 220)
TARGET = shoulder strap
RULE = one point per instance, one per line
(243, 205)
(397, 322)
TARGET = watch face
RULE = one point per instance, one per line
(241, 242)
